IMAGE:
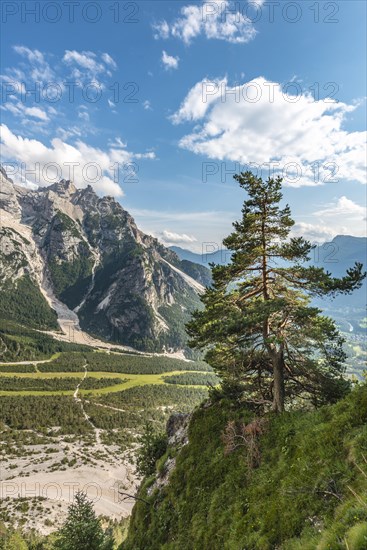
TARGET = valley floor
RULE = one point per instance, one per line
(78, 429)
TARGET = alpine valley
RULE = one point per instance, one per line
(93, 349)
(102, 398)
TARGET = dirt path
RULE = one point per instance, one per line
(79, 401)
(35, 363)
(107, 407)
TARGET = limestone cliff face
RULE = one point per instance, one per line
(124, 285)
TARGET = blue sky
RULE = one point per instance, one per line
(179, 95)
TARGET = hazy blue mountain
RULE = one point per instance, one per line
(335, 256)
(221, 256)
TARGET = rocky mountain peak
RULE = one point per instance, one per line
(8, 196)
(63, 188)
(119, 283)
(4, 174)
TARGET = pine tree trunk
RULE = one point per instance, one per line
(278, 389)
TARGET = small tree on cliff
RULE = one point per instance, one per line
(257, 325)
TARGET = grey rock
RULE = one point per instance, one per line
(177, 429)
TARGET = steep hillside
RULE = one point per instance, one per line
(298, 483)
(21, 267)
(123, 285)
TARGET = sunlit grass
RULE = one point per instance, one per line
(130, 381)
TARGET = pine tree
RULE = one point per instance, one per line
(258, 326)
(82, 529)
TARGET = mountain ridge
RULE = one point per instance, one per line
(335, 256)
(123, 285)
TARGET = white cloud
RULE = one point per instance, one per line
(169, 61)
(70, 132)
(198, 217)
(256, 123)
(36, 112)
(83, 113)
(342, 207)
(38, 70)
(198, 100)
(87, 60)
(20, 110)
(109, 60)
(147, 105)
(32, 55)
(313, 232)
(340, 217)
(87, 66)
(92, 165)
(215, 19)
(206, 227)
(33, 72)
(171, 237)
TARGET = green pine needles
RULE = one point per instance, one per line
(258, 327)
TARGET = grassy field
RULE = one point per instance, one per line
(119, 393)
(132, 381)
(123, 371)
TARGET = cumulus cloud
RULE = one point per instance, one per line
(83, 113)
(342, 207)
(313, 232)
(258, 123)
(34, 56)
(198, 100)
(343, 216)
(70, 132)
(169, 61)
(214, 19)
(87, 60)
(170, 237)
(36, 112)
(81, 163)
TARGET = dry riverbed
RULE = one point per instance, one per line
(38, 481)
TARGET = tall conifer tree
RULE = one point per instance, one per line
(257, 325)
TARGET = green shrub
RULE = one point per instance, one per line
(357, 536)
(152, 447)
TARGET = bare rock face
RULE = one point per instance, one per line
(8, 195)
(124, 285)
(177, 429)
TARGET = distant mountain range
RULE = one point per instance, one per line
(335, 256)
(66, 249)
(69, 256)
